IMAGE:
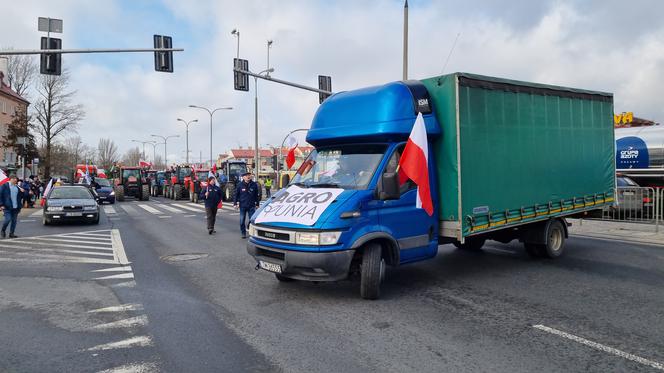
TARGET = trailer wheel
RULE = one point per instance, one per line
(555, 240)
(471, 244)
(283, 278)
(372, 271)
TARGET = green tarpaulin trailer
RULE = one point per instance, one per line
(514, 152)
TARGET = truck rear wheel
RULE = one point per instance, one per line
(119, 194)
(177, 191)
(145, 193)
(372, 271)
(471, 244)
(554, 234)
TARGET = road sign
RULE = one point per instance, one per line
(325, 84)
(50, 63)
(163, 61)
(35, 161)
(241, 80)
(45, 24)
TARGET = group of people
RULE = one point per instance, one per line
(247, 199)
(14, 195)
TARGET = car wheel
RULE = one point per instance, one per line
(45, 220)
(372, 271)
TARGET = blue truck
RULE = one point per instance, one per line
(507, 160)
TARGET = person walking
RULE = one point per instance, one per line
(212, 196)
(268, 186)
(11, 201)
(246, 199)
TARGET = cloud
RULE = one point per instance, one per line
(603, 45)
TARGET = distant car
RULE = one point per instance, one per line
(105, 191)
(631, 197)
(70, 203)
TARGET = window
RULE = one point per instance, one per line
(393, 166)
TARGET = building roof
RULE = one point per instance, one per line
(4, 89)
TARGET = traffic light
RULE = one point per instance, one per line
(50, 63)
(163, 61)
(275, 163)
(324, 84)
(241, 80)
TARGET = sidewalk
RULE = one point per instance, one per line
(614, 230)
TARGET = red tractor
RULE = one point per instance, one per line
(177, 186)
(131, 181)
(198, 182)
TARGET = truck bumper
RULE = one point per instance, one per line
(306, 266)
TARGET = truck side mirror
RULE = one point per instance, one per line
(389, 187)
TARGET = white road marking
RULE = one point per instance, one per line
(118, 248)
(133, 368)
(170, 208)
(120, 308)
(130, 210)
(140, 341)
(35, 242)
(601, 347)
(196, 205)
(231, 208)
(126, 284)
(189, 216)
(59, 239)
(110, 210)
(150, 209)
(189, 208)
(37, 213)
(27, 221)
(131, 322)
(234, 214)
(51, 258)
(114, 269)
(116, 277)
(55, 251)
(164, 217)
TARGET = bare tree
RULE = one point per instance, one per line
(132, 157)
(55, 112)
(22, 70)
(158, 162)
(108, 153)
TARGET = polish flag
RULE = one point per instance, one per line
(290, 157)
(213, 171)
(3, 177)
(144, 164)
(414, 164)
(46, 190)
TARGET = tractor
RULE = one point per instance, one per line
(131, 182)
(157, 183)
(198, 182)
(176, 186)
(231, 171)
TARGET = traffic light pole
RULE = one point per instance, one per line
(64, 51)
(271, 79)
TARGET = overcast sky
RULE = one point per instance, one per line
(607, 45)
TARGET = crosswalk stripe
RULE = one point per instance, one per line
(56, 240)
(55, 251)
(150, 209)
(37, 213)
(126, 323)
(114, 269)
(170, 208)
(189, 208)
(130, 210)
(110, 210)
(118, 276)
(139, 341)
(120, 308)
(52, 258)
(35, 242)
(196, 205)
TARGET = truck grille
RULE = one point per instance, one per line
(273, 235)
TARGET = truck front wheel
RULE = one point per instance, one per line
(372, 271)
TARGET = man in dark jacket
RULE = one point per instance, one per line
(212, 196)
(246, 195)
(11, 201)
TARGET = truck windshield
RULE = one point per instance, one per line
(128, 173)
(237, 169)
(345, 166)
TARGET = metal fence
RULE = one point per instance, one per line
(638, 205)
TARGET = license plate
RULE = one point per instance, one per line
(74, 214)
(628, 193)
(276, 268)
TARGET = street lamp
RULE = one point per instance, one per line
(165, 141)
(211, 112)
(187, 124)
(236, 32)
(142, 142)
(154, 150)
(256, 160)
(269, 46)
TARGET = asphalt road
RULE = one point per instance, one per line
(65, 306)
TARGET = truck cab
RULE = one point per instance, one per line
(345, 212)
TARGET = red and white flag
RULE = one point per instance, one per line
(290, 157)
(414, 164)
(213, 171)
(144, 164)
(46, 190)
(3, 177)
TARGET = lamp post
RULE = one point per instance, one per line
(236, 32)
(187, 126)
(281, 157)
(154, 150)
(269, 46)
(142, 142)
(211, 112)
(165, 138)
(256, 155)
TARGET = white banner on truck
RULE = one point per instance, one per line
(298, 205)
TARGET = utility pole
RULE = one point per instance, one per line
(187, 126)
(165, 138)
(211, 112)
(405, 40)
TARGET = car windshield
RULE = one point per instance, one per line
(184, 172)
(128, 173)
(103, 182)
(626, 182)
(237, 169)
(347, 166)
(70, 193)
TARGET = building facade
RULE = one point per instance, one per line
(10, 103)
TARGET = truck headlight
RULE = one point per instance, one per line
(252, 230)
(322, 238)
(54, 208)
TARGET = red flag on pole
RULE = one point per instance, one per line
(290, 157)
(3, 177)
(414, 164)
